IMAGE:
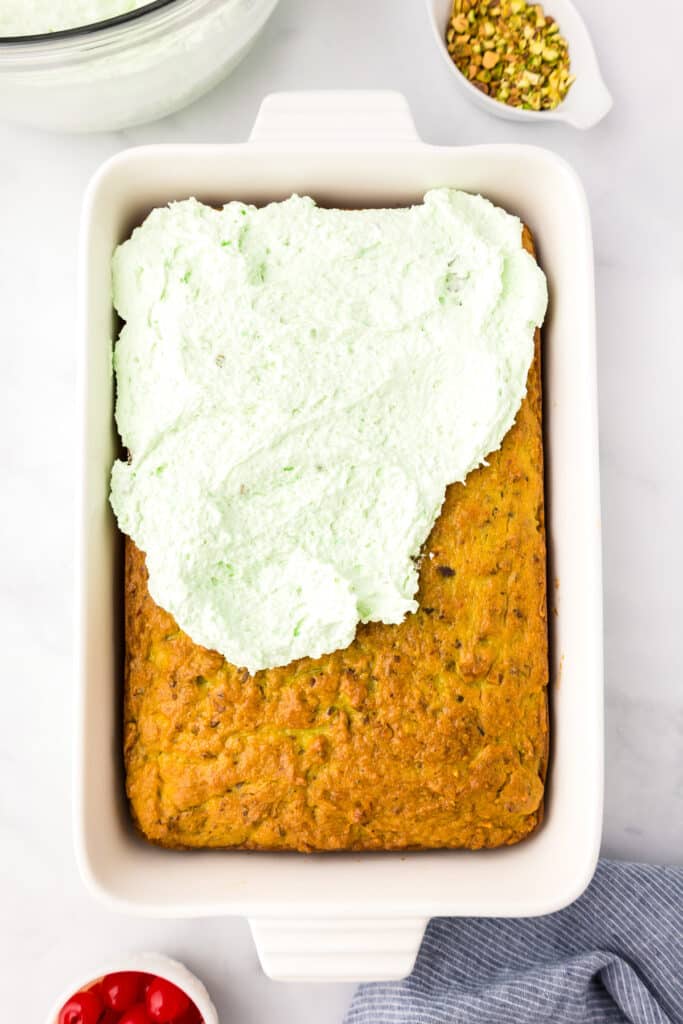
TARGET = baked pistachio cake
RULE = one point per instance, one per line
(335, 563)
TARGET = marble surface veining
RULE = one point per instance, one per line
(632, 166)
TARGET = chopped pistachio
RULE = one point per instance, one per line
(511, 50)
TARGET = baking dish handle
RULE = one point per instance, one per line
(328, 949)
(334, 116)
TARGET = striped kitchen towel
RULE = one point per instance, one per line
(614, 956)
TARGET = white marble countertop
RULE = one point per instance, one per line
(632, 167)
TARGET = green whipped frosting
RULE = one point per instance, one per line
(34, 17)
(297, 387)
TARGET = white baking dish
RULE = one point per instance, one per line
(357, 916)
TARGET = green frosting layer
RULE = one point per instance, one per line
(34, 17)
(297, 387)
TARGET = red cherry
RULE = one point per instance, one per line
(165, 1001)
(191, 1016)
(135, 1015)
(121, 990)
(110, 1017)
(83, 1008)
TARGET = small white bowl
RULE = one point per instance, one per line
(149, 963)
(587, 101)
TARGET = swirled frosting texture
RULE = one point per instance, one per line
(34, 17)
(297, 387)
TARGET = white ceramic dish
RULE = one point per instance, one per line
(134, 68)
(149, 963)
(351, 917)
(588, 100)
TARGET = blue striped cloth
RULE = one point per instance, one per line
(614, 956)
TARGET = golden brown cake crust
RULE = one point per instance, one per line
(429, 734)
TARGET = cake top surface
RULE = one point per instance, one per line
(296, 387)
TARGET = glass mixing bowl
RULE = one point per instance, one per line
(127, 70)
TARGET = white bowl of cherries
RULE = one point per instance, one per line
(141, 988)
